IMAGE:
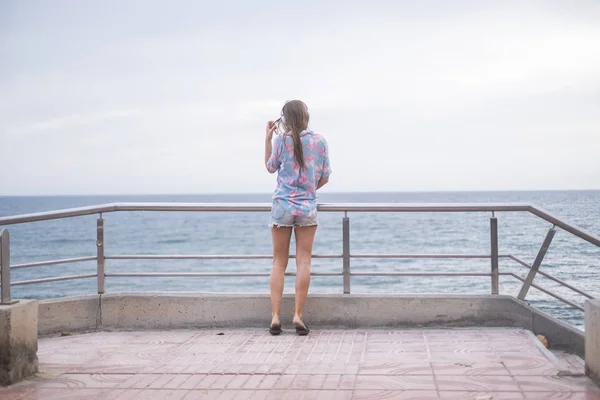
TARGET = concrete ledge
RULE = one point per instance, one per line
(560, 335)
(592, 339)
(18, 341)
(170, 311)
(72, 314)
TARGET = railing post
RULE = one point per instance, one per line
(346, 252)
(536, 264)
(100, 254)
(494, 254)
(5, 268)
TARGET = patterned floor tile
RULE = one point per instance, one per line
(477, 383)
(389, 382)
(81, 381)
(571, 363)
(334, 395)
(125, 394)
(202, 394)
(66, 394)
(481, 395)
(160, 394)
(463, 357)
(328, 364)
(13, 393)
(469, 369)
(393, 395)
(562, 395)
(394, 368)
(556, 384)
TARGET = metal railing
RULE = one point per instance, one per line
(346, 254)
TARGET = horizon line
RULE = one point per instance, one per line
(270, 193)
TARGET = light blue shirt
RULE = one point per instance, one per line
(296, 187)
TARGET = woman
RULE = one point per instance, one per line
(300, 158)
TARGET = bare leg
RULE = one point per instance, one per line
(305, 237)
(281, 253)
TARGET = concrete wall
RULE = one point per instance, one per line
(193, 310)
(18, 341)
(70, 314)
(592, 339)
(560, 335)
(141, 310)
(165, 311)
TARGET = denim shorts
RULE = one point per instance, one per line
(281, 218)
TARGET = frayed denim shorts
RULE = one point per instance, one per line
(281, 218)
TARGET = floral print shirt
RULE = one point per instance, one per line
(297, 187)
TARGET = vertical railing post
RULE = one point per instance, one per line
(494, 254)
(5, 268)
(100, 254)
(536, 264)
(346, 252)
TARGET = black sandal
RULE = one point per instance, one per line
(302, 330)
(275, 330)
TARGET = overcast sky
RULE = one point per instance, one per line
(149, 96)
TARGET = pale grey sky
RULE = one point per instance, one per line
(153, 96)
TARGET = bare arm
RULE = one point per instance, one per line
(268, 151)
(269, 147)
(326, 171)
(322, 182)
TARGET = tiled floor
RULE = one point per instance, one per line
(475, 364)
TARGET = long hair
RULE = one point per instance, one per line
(295, 115)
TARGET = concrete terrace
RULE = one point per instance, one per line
(164, 345)
(471, 363)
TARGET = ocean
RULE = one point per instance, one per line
(521, 234)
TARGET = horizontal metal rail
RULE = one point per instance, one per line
(206, 274)
(293, 256)
(549, 293)
(350, 207)
(268, 257)
(54, 279)
(425, 256)
(419, 274)
(258, 207)
(53, 262)
(57, 214)
(560, 282)
(207, 257)
(253, 257)
(250, 275)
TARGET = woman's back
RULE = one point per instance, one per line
(297, 186)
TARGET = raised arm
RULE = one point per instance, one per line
(272, 161)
